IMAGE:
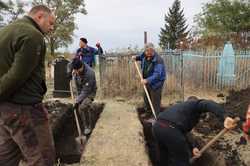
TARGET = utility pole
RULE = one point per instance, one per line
(145, 37)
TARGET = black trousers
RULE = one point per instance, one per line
(155, 96)
(173, 147)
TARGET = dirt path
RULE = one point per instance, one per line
(117, 139)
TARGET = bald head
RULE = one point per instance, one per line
(43, 16)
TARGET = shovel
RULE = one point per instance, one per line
(212, 141)
(146, 90)
(80, 139)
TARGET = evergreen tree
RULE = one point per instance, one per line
(175, 29)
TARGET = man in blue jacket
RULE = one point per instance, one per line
(154, 75)
(86, 53)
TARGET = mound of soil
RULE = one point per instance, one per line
(62, 122)
(237, 102)
(235, 106)
(220, 154)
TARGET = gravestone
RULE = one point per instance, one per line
(226, 70)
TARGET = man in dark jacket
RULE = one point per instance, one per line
(24, 128)
(85, 81)
(86, 53)
(173, 124)
(154, 75)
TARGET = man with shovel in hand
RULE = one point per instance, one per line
(84, 77)
(173, 125)
(154, 75)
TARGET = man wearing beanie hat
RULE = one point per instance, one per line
(86, 53)
(85, 81)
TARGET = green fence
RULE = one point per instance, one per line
(187, 72)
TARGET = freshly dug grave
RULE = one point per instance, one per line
(235, 149)
(231, 147)
(230, 150)
(64, 129)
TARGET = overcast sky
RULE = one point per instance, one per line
(121, 23)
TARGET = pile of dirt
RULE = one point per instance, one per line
(235, 106)
(62, 122)
(222, 153)
(208, 124)
(237, 102)
(232, 146)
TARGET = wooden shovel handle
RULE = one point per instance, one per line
(145, 89)
(75, 113)
(212, 141)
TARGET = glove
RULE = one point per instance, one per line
(76, 105)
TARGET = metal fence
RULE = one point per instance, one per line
(201, 71)
(118, 76)
(186, 72)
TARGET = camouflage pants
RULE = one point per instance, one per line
(25, 134)
(85, 112)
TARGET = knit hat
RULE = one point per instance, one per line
(76, 64)
(84, 40)
(149, 45)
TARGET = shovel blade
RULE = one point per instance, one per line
(81, 141)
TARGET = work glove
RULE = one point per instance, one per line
(76, 105)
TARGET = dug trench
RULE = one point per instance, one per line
(230, 150)
(62, 122)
